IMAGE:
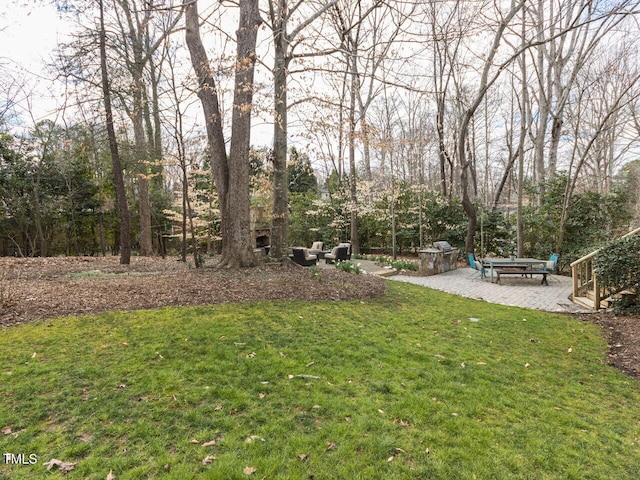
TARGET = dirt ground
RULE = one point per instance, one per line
(42, 288)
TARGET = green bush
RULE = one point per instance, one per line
(617, 266)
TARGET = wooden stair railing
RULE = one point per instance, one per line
(586, 289)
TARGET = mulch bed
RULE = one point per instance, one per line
(623, 338)
(40, 288)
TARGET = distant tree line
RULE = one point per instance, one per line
(499, 126)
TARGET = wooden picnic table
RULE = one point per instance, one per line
(515, 265)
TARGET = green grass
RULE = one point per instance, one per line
(408, 387)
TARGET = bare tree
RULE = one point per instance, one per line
(232, 173)
(118, 180)
(487, 78)
(137, 52)
(285, 42)
(582, 149)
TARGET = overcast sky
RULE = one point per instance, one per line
(29, 31)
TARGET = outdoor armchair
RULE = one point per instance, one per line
(348, 245)
(316, 248)
(338, 253)
(301, 256)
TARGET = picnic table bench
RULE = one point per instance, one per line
(516, 271)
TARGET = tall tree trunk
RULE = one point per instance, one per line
(524, 102)
(239, 217)
(208, 95)
(544, 92)
(42, 241)
(442, 149)
(279, 16)
(142, 148)
(118, 180)
(355, 242)
(280, 219)
(137, 31)
(232, 174)
(465, 122)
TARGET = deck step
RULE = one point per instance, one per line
(584, 302)
(604, 302)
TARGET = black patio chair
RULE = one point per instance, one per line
(301, 256)
(337, 254)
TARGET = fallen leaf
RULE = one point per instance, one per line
(251, 355)
(310, 364)
(570, 350)
(7, 430)
(262, 395)
(193, 440)
(64, 467)
(527, 365)
(400, 450)
(249, 470)
(34, 355)
(380, 411)
(481, 363)
(303, 457)
(111, 475)
(218, 408)
(462, 365)
(209, 444)
(121, 387)
(331, 446)
(125, 344)
(208, 460)
(390, 459)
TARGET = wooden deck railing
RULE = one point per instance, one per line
(586, 280)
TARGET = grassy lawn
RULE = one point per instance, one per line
(418, 384)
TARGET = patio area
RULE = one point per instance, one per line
(514, 291)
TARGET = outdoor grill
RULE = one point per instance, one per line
(441, 258)
(444, 247)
